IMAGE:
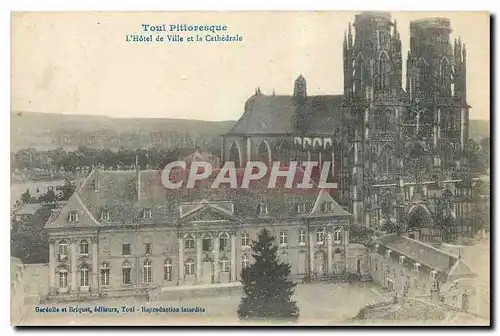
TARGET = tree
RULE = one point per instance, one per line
(26, 196)
(267, 291)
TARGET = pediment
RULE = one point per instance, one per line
(208, 213)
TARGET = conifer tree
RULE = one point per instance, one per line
(267, 291)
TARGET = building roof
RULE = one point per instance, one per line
(276, 115)
(426, 254)
(125, 194)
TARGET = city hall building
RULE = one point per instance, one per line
(124, 233)
(400, 153)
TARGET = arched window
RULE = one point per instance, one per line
(445, 74)
(224, 265)
(63, 249)
(147, 273)
(63, 278)
(245, 240)
(73, 216)
(206, 240)
(245, 261)
(302, 236)
(386, 160)
(105, 215)
(189, 242)
(189, 267)
(223, 241)
(127, 273)
(84, 247)
(105, 274)
(167, 276)
(235, 155)
(385, 70)
(84, 276)
(320, 236)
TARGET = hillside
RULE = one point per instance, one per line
(48, 131)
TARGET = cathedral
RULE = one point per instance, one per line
(399, 154)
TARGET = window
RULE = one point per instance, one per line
(223, 241)
(263, 209)
(302, 236)
(105, 215)
(146, 214)
(283, 238)
(105, 274)
(63, 249)
(126, 273)
(224, 264)
(84, 247)
(73, 216)
(189, 267)
(327, 207)
(167, 275)
(147, 271)
(84, 276)
(147, 248)
(301, 208)
(206, 243)
(320, 237)
(189, 242)
(63, 278)
(245, 240)
(126, 249)
(337, 236)
(245, 261)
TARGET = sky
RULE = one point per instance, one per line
(80, 63)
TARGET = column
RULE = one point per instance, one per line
(233, 256)
(95, 265)
(311, 253)
(198, 258)
(329, 251)
(181, 259)
(216, 257)
(52, 264)
(74, 270)
(346, 242)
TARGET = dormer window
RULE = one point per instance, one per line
(105, 215)
(146, 213)
(433, 275)
(327, 207)
(320, 237)
(73, 216)
(263, 210)
(401, 259)
(416, 267)
(388, 253)
(301, 208)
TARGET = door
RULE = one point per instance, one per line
(207, 273)
(319, 265)
(358, 266)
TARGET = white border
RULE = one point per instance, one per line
(127, 5)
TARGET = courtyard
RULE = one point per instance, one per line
(319, 304)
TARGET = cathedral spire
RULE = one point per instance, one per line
(349, 37)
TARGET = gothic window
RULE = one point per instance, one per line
(445, 73)
(384, 71)
(386, 160)
(105, 274)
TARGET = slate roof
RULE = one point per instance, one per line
(125, 194)
(418, 251)
(276, 115)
